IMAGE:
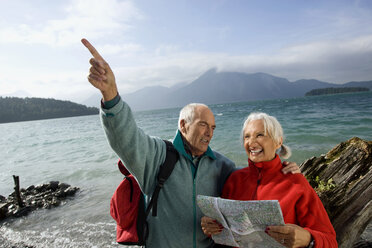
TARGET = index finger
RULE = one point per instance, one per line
(279, 229)
(91, 49)
(206, 219)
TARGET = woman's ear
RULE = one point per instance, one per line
(280, 143)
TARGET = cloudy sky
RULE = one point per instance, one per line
(164, 42)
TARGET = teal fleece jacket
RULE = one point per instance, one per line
(177, 223)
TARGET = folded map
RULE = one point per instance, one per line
(244, 221)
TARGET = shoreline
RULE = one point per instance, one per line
(365, 240)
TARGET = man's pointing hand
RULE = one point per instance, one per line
(100, 74)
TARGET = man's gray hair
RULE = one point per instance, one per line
(272, 128)
(187, 113)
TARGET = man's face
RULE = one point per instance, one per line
(199, 133)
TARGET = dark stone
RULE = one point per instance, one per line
(53, 185)
(30, 188)
(41, 187)
(19, 212)
(3, 210)
(70, 191)
(60, 193)
(35, 197)
(343, 179)
(63, 186)
(46, 205)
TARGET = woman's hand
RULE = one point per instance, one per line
(210, 226)
(290, 235)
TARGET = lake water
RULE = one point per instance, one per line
(75, 151)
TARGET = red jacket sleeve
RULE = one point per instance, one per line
(312, 215)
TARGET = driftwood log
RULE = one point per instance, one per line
(17, 192)
(343, 181)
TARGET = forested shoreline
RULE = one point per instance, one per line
(14, 109)
(326, 91)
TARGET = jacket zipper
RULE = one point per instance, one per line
(194, 205)
(194, 202)
(258, 184)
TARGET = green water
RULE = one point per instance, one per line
(75, 151)
(312, 125)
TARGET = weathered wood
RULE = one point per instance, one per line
(349, 202)
(17, 192)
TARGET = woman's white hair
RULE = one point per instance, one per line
(187, 113)
(272, 128)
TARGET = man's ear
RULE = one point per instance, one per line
(183, 126)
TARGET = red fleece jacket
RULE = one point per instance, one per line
(299, 202)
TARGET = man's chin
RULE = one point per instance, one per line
(203, 150)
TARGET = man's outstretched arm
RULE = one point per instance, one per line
(141, 154)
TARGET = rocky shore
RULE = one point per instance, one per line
(43, 196)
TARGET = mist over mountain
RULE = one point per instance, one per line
(223, 87)
(18, 93)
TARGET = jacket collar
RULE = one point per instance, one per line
(268, 166)
(180, 147)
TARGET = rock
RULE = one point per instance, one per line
(3, 210)
(41, 187)
(53, 185)
(343, 181)
(30, 188)
(63, 186)
(19, 212)
(41, 196)
(70, 191)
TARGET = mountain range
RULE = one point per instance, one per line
(223, 87)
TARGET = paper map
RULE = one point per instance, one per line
(244, 221)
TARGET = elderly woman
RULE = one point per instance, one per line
(306, 221)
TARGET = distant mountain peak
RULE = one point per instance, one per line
(215, 86)
(213, 70)
(210, 73)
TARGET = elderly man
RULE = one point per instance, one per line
(198, 171)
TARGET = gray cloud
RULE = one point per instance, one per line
(330, 61)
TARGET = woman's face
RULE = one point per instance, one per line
(258, 145)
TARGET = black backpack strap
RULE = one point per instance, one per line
(165, 170)
(131, 187)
